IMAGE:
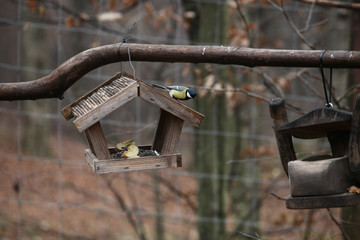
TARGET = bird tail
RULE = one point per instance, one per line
(159, 86)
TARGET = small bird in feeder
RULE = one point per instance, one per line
(178, 92)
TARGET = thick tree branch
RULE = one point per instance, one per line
(57, 82)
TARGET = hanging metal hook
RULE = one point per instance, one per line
(123, 41)
(327, 98)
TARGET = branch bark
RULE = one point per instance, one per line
(58, 81)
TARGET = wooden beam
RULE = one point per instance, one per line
(57, 82)
(132, 164)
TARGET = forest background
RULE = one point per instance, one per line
(231, 177)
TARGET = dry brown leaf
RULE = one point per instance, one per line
(189, 15)
(42, 11)
(284, 83)
(128, 3)
(218, 87)
(208, 82)
(112, 5)
(32, 5)
(149, 8)
(354, 189)
(229, 91)
(70, 22)
(187, 68)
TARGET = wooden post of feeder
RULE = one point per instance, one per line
(354, 140)
(97, 142)
(167, 133)
(284, 142)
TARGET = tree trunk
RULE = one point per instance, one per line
(37, 129)
(210, 27)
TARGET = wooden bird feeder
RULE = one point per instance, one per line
(88, 110)
(320, 181)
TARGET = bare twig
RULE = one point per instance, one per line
(278, 197)
(345, 236)
(308, 85)
(308, 20)
(335, 100)
(292, 24)
(83, 18)
(317, 24)
(269, 83)
(247, 93)
(249, 236)
(239, 90)
(125, 208)
(178, 192)
(245, 22)
(308, 224)
(336, 4)
(350, 91)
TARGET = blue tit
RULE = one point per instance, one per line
(178, 92)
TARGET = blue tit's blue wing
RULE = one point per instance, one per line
(177, 88)
(159, 86)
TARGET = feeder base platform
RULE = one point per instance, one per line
(131, 164)
(328, 201)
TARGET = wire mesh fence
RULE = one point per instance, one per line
(230, 164)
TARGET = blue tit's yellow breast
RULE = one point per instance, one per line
(178, 94)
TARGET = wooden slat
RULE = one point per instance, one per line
(67, 111)
(97, 142)
(167, 133)
(331, 201)
(101, 111)
(131, 164)
(102, 100)
(164, 101)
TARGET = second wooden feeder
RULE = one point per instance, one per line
(320, 181)
(88, 110)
